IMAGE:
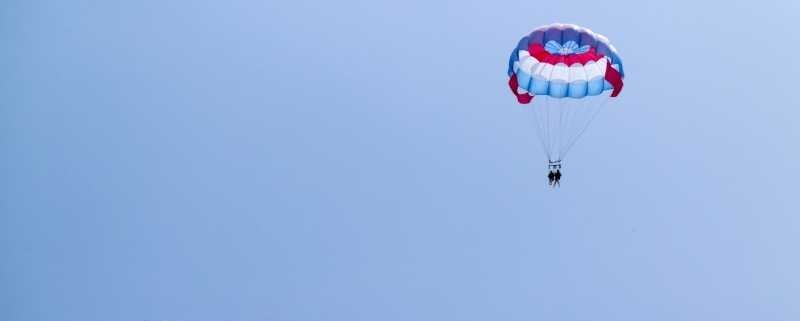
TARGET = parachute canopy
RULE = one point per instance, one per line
(564, 60)
(569, 67)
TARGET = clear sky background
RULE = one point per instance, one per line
(364, 160)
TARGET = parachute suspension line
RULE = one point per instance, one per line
(553, 128)
(586, 125)
(539, 130)
(554, 138)
(547, 126)
(551, 134)
(565, 108)
(563, 113)
(578, 123)
(558, 128)
(577, 112)
(542, 109)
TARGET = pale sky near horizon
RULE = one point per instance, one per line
(348, 160)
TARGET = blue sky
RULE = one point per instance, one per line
(345, 160)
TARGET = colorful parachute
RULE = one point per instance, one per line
(567, 66)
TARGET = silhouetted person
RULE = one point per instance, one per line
(551, 177)
(557, 178)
